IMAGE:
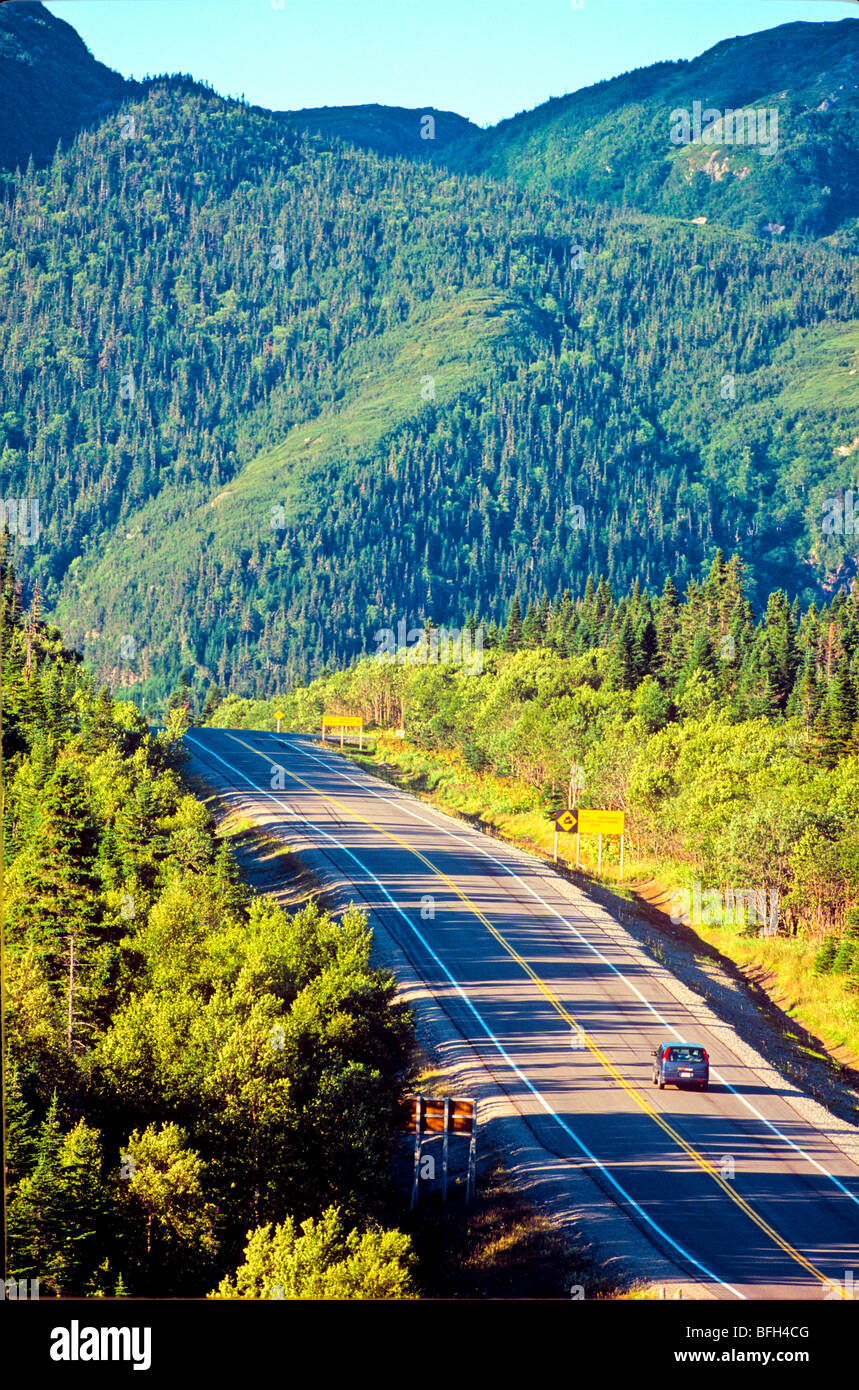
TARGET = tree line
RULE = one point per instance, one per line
(200, 1084)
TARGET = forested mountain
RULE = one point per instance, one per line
(612, 142)
(274, 390)
(50, 85)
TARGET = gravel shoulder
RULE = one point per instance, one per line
(619, 1256)
(606, 1253)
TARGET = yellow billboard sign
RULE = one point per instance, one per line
(342, 721)
(593, 822)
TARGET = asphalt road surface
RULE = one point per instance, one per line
(565, 1020)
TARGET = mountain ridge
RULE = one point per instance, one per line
(305, 388)
(52, 85)
(606, 142)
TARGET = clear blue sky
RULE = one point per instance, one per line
(483, 58)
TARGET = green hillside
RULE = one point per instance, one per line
(612, 142)
(274, 389)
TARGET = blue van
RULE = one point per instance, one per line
(681, 1065)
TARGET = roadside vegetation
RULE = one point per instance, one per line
(202, 1088)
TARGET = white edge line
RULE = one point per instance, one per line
(485, 1026)
(402, 805)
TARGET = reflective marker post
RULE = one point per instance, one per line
(419, 1119)
(444, 1149)
(566, 821)
(445, 1116)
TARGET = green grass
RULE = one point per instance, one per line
(457, 346)
(822, 368)
(822, 1004)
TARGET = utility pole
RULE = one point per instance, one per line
(574, 786)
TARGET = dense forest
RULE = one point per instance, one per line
(732, 743)
(305, 389)
(190, 1068)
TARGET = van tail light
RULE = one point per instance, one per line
(706, 1057)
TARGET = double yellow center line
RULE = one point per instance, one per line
(642, 1103)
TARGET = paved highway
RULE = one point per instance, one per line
(565, 1019)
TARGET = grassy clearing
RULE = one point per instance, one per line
(456, 347)
(780, 966)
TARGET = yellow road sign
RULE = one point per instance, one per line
(567, 821)
(342, 721)
(279, 714)
(593, 822)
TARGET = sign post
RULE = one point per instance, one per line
(278, 714)
(431, 1115)
(418, 1104)
(344, 722)
(587, 820)
(566, 821)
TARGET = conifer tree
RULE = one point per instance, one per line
(531, 632)
(622, 657)
(781, 633)
(513, 631)
(842, 711)
(20, 1136)
(667, 625)
(55, 899)
(808, 694)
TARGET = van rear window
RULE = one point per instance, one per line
(685, 1054)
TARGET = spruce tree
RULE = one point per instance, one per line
(622, 657)
(531, 634)
(667, 625)
(842, 710)
(781, 633)
(55, 898)
(545, 618)
(20, 1136)
(513, 631)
